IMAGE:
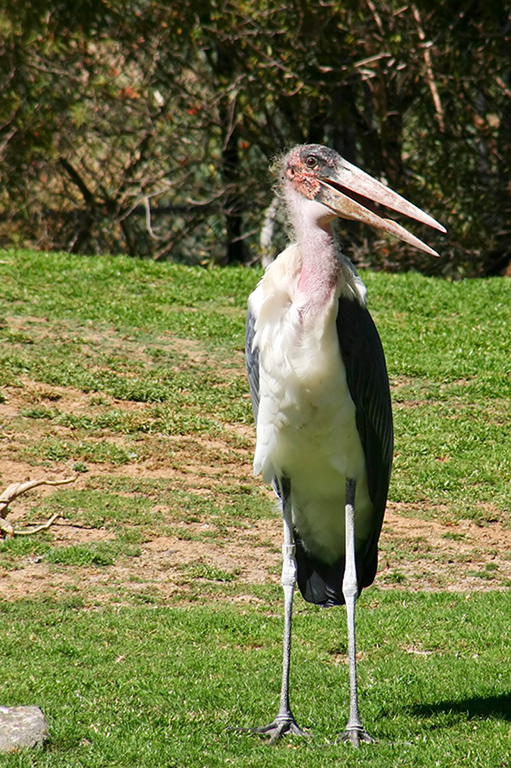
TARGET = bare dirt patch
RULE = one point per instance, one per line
(429, 555)
(417, 552)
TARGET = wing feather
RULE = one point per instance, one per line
(252, 362)
(368, 382)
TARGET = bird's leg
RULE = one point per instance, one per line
(285, 721)
(354, 731)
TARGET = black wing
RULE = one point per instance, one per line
(252, 363)
(368, 382)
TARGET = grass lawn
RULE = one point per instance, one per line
(147, 619)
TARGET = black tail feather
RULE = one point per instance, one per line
(321, 584)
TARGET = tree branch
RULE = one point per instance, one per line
(17, 489)
(429, 71)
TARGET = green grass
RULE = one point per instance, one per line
(116, 321)
(130, 374)
(156, 686)
(102, 553)
(129, 294)
(447, 347)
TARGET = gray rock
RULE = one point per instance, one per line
(21, 727)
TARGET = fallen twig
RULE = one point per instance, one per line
(17, 489)
(42, 527)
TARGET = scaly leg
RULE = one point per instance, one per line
(285, 721)
(354, 731)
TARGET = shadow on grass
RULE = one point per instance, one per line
(477, 707)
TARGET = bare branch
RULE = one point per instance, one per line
(266, 237)
(429, 70)
(376, 16)
(17, 489)
(502, 85)
(38, 528)
(77, 179)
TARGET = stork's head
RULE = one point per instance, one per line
(338, 188)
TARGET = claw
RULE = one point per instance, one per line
(274, 731)
(357, 736)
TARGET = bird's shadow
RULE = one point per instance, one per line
(478, 707)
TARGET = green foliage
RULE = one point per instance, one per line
(147, 129)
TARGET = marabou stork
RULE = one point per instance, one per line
(320, 396)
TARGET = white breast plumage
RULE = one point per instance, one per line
(306, 421)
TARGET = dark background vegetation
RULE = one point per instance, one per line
(146, 127)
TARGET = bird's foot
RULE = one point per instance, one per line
(356, 736)
(274, 731)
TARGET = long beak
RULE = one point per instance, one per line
(351, 194)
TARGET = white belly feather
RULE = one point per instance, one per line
(306, 422)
